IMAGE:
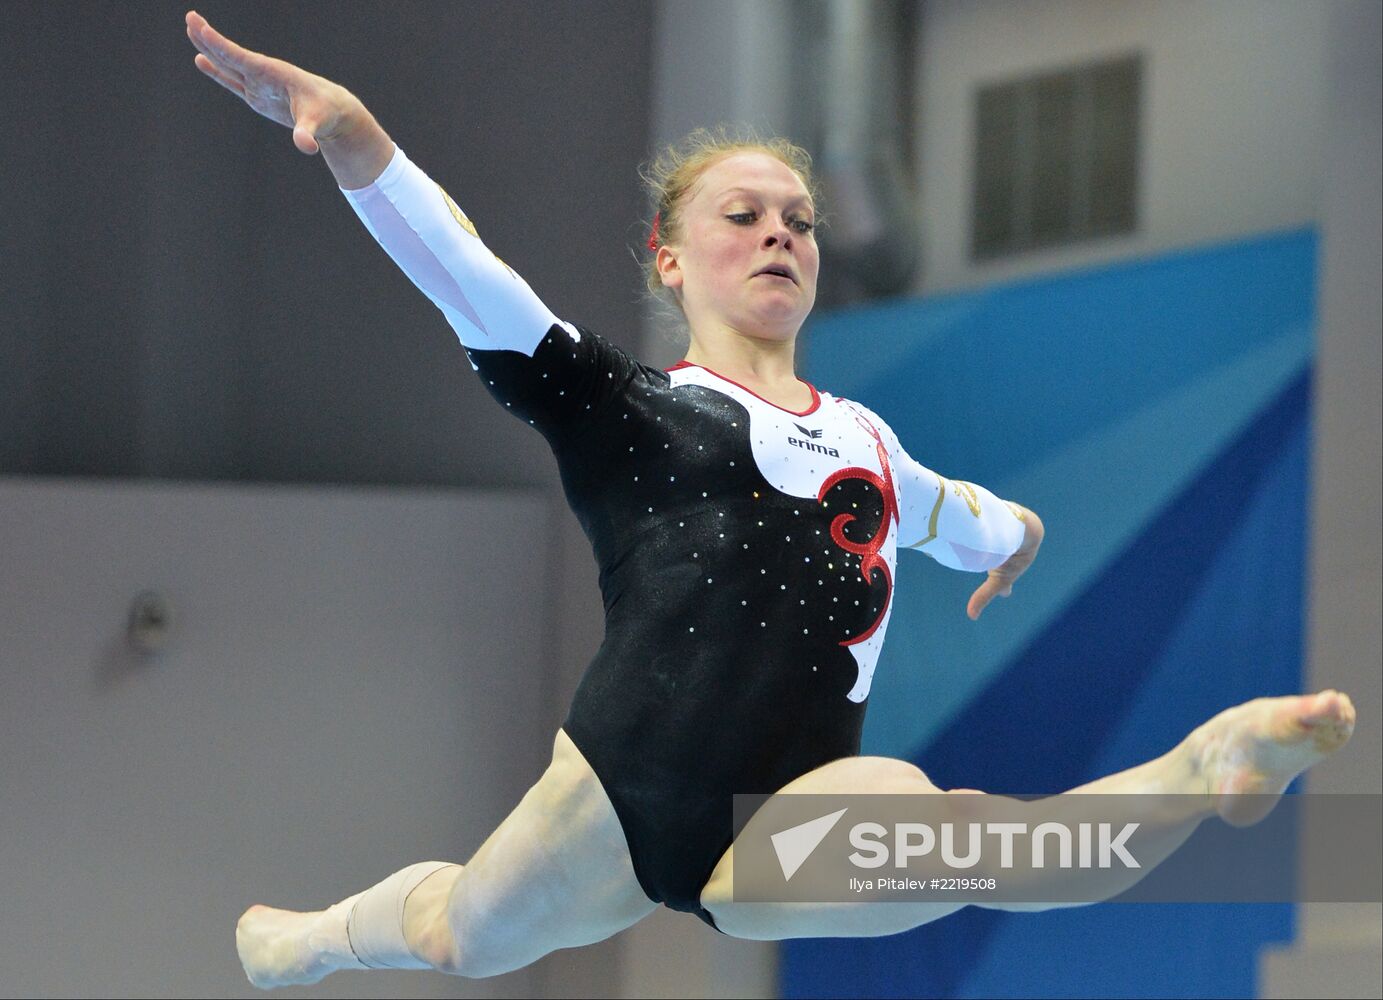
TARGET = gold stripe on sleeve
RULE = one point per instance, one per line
(457, 214)
(936, 512)
(465, 223)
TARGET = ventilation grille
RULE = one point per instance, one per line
(1056, 158)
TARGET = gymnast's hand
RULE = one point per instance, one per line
(1001, 578)
(316, 109)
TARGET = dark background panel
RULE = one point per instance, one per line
(187, 296)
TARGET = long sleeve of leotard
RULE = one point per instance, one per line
(546, 371)
(960, 525)
(433, 242)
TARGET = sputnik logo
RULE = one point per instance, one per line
(796, 844)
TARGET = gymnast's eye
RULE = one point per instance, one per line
(742, 218)
(802, 225)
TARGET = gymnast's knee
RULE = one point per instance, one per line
(889, 774)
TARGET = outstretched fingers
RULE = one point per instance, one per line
(212, 58)
(311, 106)
(266, 84)
(231, 82)
(216, 46)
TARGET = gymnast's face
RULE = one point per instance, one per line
(748, 212)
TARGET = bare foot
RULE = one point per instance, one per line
(1248, 754)
(286, 948)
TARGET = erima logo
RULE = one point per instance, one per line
(795, 844)
(810, 445)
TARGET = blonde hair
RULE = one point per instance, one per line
(671, 175)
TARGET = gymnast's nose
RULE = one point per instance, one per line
(778, 235)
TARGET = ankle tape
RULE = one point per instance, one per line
(375, 924)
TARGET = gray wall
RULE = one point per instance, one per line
(1339, 947)
(341, 695)
(184, 296)
(187, 296)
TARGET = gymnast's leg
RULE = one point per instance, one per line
(1233, 765)
(555, 874)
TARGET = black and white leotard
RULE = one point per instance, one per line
(746, 551)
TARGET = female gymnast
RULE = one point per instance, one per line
(745, 525)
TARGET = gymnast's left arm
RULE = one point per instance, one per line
(965, 526)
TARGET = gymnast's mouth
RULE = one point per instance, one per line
(777, 271)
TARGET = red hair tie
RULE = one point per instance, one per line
(653, 236)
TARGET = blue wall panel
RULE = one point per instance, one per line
(1157, 415)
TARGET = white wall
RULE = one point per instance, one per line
(355, 682)
(1233, 117)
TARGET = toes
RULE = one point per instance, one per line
(1327, 706)
(250, 914)
(1333, 721)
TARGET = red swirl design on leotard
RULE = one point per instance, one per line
(869, 550)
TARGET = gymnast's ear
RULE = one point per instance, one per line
(669, 267)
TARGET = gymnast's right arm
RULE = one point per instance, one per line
(544, 370)
(489, 306)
